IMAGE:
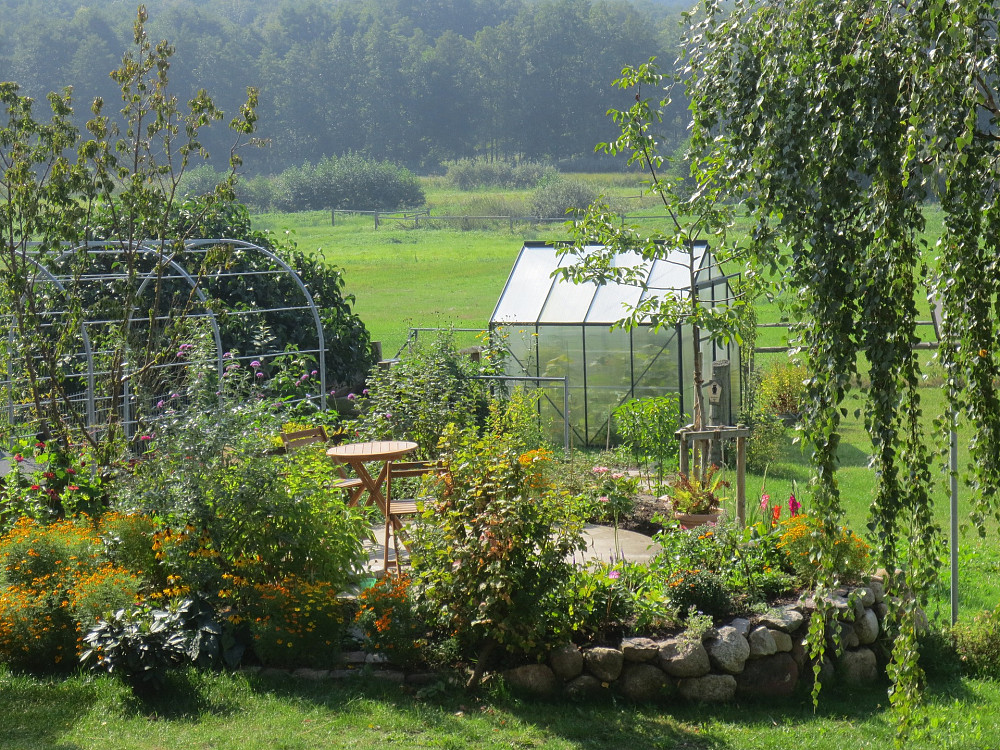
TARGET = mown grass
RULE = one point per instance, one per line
(244, 712)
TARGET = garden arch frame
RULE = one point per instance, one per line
(177, 265)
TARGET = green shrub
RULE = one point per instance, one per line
(978, 645)
(782, 388)
(763, 447)
(229, 505)
(295, 622)
(348, 181)
(490, 555)
(431, 387)
(471, 174)
(559, 197)
(701, 590)
(646, 427)
(143, 644)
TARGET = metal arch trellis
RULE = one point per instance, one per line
(175, 262)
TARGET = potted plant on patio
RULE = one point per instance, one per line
(696, 501)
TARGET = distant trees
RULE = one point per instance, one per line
(414, 81)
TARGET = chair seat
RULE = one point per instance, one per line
(346, 484)
(403, 507)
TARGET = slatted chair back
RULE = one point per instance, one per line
(301, 438)
(396, 509)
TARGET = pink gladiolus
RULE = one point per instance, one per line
(794, 506)
(765, 502)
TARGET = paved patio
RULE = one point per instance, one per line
(600, 546)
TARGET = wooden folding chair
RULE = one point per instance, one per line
(398, 509)
(293, 441)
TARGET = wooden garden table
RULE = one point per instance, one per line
(356, 455)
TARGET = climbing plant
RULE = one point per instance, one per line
(833, 121)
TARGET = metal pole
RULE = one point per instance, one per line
(954, 520)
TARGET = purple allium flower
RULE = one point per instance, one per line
(255, 363)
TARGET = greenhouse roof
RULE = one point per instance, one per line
(533, 296)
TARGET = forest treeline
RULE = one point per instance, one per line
(417, 82)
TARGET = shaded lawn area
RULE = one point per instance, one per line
(201, 710)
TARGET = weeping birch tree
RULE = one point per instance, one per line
(833, 122)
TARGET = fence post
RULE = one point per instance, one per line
(333, 217)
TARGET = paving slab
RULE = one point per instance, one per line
(600, 541)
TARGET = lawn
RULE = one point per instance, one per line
(244, 712)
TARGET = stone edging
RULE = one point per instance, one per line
(765, 656)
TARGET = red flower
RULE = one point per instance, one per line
(49, 475)
(72, 487)
(775, 514)
(18, 457)
(36, 487)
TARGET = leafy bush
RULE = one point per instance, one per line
(747, 560)
(390, 622)
(348, 181)
(431, 387)
(699, 590)
(646, 427)
(294, 622)
(490, 553)
(851, 557)
(978, 645)
(230, 505)
(559, 197)
(782, 388)
(143, 644)
(470, 174)
(763, 447)
(263, 287)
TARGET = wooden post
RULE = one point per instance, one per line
(741, 480)
(333, 217)
(684, 456)
(376, 219)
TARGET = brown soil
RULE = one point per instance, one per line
(647, 507)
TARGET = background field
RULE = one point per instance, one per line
(405, 277)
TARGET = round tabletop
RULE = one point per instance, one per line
(376, 450)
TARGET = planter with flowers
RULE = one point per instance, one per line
(697, 501)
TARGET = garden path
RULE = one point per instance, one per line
(600, 540)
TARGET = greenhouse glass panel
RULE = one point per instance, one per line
(528, 286)
(567, 303)
(612, 302)
(560, 354)
(609, 377)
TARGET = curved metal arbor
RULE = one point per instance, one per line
(182, 266)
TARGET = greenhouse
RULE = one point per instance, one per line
(559, 335)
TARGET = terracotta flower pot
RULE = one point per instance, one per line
(691, 520)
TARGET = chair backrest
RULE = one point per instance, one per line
(301, 438)
(415, 468)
